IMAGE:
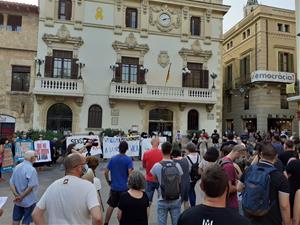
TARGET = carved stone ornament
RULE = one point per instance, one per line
(208, 15)
(145, 6)
(130, 43)
(156, 12)
(119, 4)
(196, 50)
(185, 11)
(163, 59)
(62, 36)
(209, 107)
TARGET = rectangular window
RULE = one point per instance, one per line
(130, 69)
(195, 26)
(244, 35)
(248, 32)
(1, 21)
(287, 28)
(246, 101)
(131, 18)
(197, 78)
(64, 9)
(280, 26)
(285, 62)
(20, 78)
(62, 64)
(229, 103)
(228, 81)
(284, 104)
(14, 23)
(245, 69)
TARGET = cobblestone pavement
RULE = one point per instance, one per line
(50, 174)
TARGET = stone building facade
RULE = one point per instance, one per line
(259, 61)
(18, 44)
(125, 64)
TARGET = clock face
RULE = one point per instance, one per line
(165, 19)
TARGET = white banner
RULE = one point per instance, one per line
(111, 146)
(146, 144)
(80, 140)
(42, 150)
(272, 76)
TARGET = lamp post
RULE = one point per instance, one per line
(81, 66)
(39, 62)
(113, 68)
(213, 76)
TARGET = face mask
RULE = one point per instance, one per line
(84, 169)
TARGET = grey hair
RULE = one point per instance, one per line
(136, 180)
(191, 147)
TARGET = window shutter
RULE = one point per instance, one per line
(205, 78)
(247, 67)
(48, 66)
(74, 69)
(280, 61)
(141, 75)
(242, 70)
(68, 9)
(118, 74)
(291, 63)
(128, 17)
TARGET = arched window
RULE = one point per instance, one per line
(59, 117)
(64, 9)
(95, 117)
(193, 120)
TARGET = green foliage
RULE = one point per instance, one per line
(191, 132)
(47, 135)
(111, 132)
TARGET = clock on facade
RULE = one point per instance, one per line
(165, 19)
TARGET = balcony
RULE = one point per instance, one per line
(162, 93)
(58, 87)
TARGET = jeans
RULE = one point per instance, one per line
(163, 207)
(192, 194)
(151, 186)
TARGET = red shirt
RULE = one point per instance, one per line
(230, 171)
(151, 157)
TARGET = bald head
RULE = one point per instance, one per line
(155, 142)
(72, 161)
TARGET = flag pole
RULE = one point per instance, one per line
(168, 74)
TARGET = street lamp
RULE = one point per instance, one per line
(144, 69)
(186, 70)
(39, 62)
(114, 68)
(81, 66)
(213, 76)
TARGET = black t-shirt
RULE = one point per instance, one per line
(202, 214)
(293, 170)
(279, 183)
(215, 138)
(134, 211)
(285, 156)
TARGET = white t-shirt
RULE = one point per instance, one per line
(69, 201)
(97, 183)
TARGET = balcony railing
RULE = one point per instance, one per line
(58, 87)
(161, 93)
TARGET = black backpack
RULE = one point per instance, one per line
(194, 174)
(170, 181)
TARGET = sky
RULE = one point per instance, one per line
(235, 13)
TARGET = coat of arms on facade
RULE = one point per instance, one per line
(63, 33)
(99, 14)
(163, 59)
(131, 41)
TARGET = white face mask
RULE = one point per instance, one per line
(85, 169)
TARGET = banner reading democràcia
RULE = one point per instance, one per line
(111, 146)
(42, 150)
(7, 160)
(79, 141)
(22, 146)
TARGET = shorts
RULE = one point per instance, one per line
(114, 198)
(23, 213)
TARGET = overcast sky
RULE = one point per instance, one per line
(235, 13)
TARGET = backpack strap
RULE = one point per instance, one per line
(224, 162)
(191, 160)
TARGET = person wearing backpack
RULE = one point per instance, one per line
(265, 191)
(168, 174)
(194, 160)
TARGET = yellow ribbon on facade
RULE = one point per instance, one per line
(99, 14)
(290, 88)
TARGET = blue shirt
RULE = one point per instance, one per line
(24, 176)
(119, 166)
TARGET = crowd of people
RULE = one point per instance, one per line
(247, 179)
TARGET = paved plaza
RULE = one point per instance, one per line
(49, 174)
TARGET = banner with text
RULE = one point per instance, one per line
(272, 76)
(111, 146)
(80, 140)
(7, 160)
(22, 146)
(42, 150)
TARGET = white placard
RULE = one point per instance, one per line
(146, 144)
(2, 201)
(42, 150)
(111, 146)
(272, 76)
(79, 143)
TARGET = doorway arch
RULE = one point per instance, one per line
(59, 117)
(193, 120)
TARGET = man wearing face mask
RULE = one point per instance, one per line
(69, 200)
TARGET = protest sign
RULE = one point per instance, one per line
(80, 140)
(42, 150)
(111, 146)
(7, 160)
(22, 146)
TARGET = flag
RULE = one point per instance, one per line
(168, 74)
(290, 88)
